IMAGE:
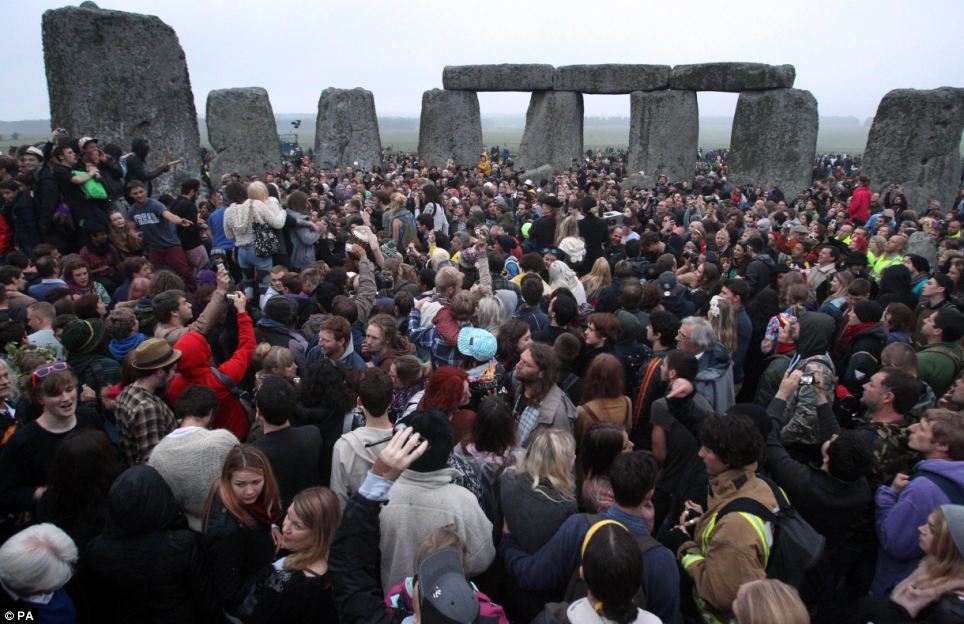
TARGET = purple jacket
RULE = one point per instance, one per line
(900, 515)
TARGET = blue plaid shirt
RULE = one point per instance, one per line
(443, 354)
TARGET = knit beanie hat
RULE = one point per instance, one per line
(954, 516)
(868, 311)
(920, 263)
(82, 336)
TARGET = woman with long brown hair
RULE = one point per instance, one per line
(240, 520)
(298, 588)
(603, 398)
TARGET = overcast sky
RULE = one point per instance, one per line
(847, 53)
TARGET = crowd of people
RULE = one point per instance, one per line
(417, 393)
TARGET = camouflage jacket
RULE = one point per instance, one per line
(891, 453)
(801, 413)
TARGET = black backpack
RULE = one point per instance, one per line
(797, 547)
(576, 588)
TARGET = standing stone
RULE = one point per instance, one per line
(774, 139)
(612, 79)
(664, 133)
(346, 132)
(506, 77)
(553, 132)
(450, 127)
(242, 132)
(537, 175)
(915, 142)
(732, 77)
(119, 76)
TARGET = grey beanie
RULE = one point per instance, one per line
(954, 516)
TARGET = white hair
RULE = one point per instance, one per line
(14, 382)
(38, 560)
(491, 313)
(701, 334)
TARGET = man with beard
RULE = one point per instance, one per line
(540, 402)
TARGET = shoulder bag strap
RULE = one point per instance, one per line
(591, 413)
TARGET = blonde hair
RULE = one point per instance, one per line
(844, 277)
(942, 563)
(599, 277)
(273, 358)
(567, 227)
(318, 508)
(876, 245)
(257, 191)
(766, 601)
(438, 257)
(724, 322)
(550, 457)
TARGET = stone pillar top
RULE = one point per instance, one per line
(731, 77)
(505, 77)
(612, 78)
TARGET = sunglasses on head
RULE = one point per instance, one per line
(40, 373)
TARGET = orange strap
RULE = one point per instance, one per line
(644, 387)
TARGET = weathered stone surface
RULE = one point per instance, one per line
(664, 132)
(611, 78)
(118, 76)
(506, 77)
(553, 132)
(732, 77)
(346, 131)
(915, 142)
(450, 127)
(537, 174)
(774, 139)
(242, 132)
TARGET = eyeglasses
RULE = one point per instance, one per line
(40, 373)
(680, 334)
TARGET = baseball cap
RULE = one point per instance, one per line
(446, 597)
(85, 140)
(36, 151)
(667, 283)
(477, 344)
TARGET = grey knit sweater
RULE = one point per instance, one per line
(190, 460)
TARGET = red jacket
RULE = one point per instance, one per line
(6, 236)
(194, 367)
(859, 207)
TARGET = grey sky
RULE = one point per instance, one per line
(848, 54)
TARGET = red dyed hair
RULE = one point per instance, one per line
(444, 390)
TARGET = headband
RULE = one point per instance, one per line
(592, 531)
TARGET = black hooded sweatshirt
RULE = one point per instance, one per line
(146, 569)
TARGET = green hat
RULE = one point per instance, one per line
(82, 336)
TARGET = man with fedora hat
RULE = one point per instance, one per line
(143, 418)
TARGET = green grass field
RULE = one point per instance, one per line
(850, 140)
(832, 139)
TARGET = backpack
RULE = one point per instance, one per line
(576, 588)
(797, 547)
